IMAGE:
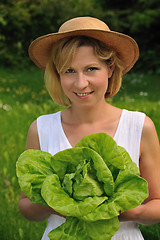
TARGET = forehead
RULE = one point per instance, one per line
(85, 54)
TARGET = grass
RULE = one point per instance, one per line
(22, 99)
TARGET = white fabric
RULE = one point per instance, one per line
(128, 135)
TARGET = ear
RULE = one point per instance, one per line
(110, 70)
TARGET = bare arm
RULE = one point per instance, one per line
(148, 213)
(29, 210)
(32, 211)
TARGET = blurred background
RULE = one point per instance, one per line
(23, 96)
(21, 21)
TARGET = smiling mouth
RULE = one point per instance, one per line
(83, 94)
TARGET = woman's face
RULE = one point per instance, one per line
(86, 80)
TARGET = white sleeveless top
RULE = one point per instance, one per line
(128, 135)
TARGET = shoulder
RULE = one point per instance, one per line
(41, 120)
(32, 137)
(149, 140)
(44, 119)
(47, 122)
(33, 128)
(134, 114)
(149, 129)
(134, 120)
(39, 128)
(148, 124)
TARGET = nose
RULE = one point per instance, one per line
(81, 81)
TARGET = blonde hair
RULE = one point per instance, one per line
(61, 58)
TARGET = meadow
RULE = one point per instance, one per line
(22, 99)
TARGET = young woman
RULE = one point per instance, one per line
(84, 63)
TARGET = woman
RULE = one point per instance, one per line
(84, 63)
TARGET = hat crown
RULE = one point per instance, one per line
(124, 46)
(83, 23)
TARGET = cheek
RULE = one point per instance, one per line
(63, 81)
(65, 84)
(103, 80)
(103, 84)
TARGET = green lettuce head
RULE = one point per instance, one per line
(90, 184)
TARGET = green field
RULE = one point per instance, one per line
(22, 99)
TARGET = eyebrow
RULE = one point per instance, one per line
(94, 64)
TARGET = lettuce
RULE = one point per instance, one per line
(90, 184)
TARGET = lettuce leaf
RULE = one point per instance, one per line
(75, 229)
(32, 168)
(90, 184)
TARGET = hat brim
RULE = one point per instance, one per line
(125, 46)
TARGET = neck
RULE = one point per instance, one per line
(80, 115)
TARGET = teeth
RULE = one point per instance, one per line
(82, 94)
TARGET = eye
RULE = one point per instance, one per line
(70, 70)
(91, 69)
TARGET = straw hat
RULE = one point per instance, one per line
(125, 46)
